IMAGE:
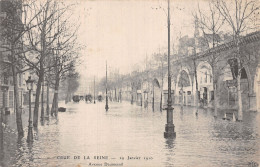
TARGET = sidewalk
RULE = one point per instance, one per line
(9, 121)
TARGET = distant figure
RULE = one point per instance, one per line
(204, 98)
(146, 103)
(76, 98)
(88, 98)
(100, 98)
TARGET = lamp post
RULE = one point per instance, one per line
(94, 91)
(169, 127)
(106, 107)
(29, 84)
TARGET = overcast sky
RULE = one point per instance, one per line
(124, 32)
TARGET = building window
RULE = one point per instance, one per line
(212, 95)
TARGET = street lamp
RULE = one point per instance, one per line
(169, 127)
(29, 84)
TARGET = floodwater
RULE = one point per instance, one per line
(87, 130)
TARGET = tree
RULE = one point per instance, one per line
(210, 23)
(42, 41)
(66, 56)
(238, 19)
(13, 29)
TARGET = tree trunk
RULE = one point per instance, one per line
(197, 87)
(68, 92)
(215, 91)
(54, 108)
(115, 95)
(36, 105)
(239, 98)
(132, 98)
(182, 94)
(215, 100)
(153, 99)
(47, 101)
(161, 102)
(17, 103)
(42, 102)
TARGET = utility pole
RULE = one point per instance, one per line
(169, 127)
(106, 107)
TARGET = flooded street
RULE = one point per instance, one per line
(125, 131)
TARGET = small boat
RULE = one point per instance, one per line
(62, 109)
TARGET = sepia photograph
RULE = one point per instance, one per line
(129, 83)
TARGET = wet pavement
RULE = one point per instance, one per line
(131, 131)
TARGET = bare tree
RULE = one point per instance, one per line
(66, 57)
(210, 23)
(238, 14)
(14, 26)
(43, 39)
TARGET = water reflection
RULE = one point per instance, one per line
(87, 129)
(169, 143)
(169, 152)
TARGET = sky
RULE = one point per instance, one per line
(125, 32)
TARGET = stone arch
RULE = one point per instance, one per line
(205, 82)
(179, 74)
(205, 69)
(245, 83)
(183, 92)
(165, 82)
